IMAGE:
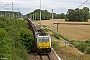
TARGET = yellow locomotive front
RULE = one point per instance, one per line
(44, 44)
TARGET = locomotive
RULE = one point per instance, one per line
(41, 38)
(43, 41)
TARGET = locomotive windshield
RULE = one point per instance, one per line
(43, 39)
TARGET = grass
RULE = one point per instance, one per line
(56, 35)
(64, 52)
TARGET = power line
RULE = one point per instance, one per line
(83, 3)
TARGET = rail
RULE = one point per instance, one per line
(44, 57)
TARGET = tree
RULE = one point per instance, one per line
(78, 14)
(9, 14)
(85, 12)
(62, 16)
(70, 14)
(45, 15)
(89, 16)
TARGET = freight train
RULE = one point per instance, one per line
(42, 39)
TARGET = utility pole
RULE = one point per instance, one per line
(0, 14)
(35, 16)
(18, 15)
(52, 27)
(9, 15)
(31, 17)
(52, 21)
(5, 14)
(57, 27)
(18, 12)
(40, 14)
(12, 8)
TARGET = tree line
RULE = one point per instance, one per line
(78, 14)
(45, 15)
(10, 14)
(72, 15)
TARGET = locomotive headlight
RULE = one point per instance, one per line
(40, 47)
(43, 42)
(48, 46)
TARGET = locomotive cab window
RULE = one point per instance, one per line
(44, 39)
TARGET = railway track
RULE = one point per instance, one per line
(39, 33)
(44, 57)
(50, 56)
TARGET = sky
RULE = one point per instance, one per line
(27, 6)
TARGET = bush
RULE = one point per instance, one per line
(54, 44)
(82, 47)
(5, 45)
(11, 31)
(87, 41)
(65, 38)
(56, 35)
(27, 39)
(88, 50)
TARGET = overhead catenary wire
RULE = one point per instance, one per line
(83, 3)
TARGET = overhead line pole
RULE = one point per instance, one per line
(18, 12)
(12, 8)
(52, 21)
(40, 14)
(35, 15)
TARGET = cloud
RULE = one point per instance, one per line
(26, 6)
